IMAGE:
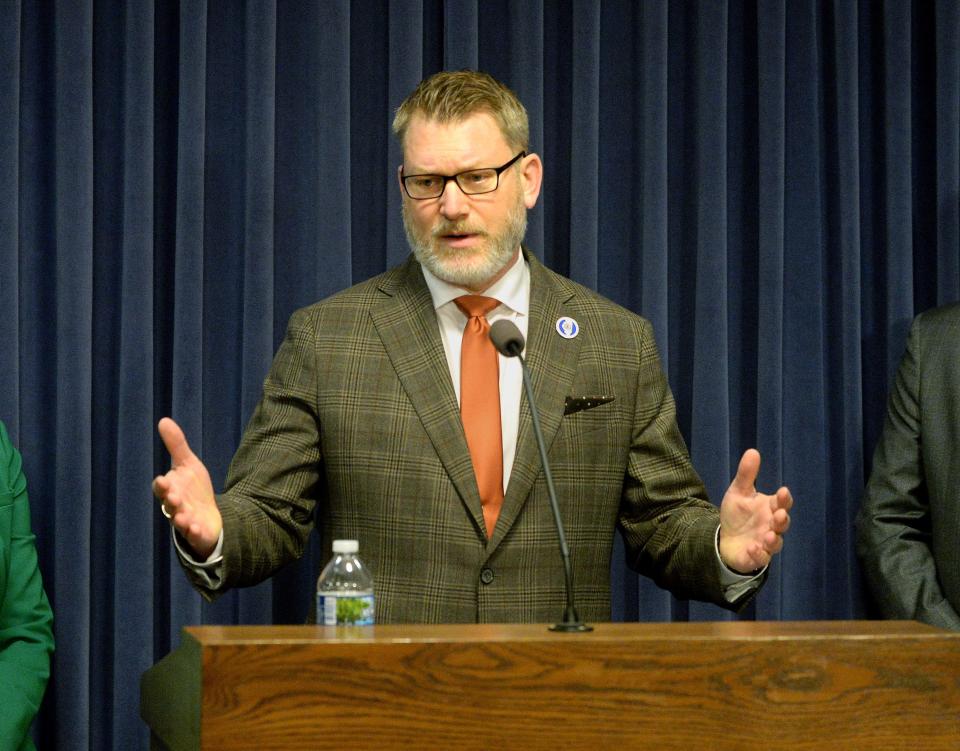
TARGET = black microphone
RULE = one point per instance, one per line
(508, 340)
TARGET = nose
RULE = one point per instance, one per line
(453, 203)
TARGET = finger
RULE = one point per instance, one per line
(773, 544)
(783, 499)
(175, 441)
(759, 555)
(780, 522)
(746, 479)
(169, 507)
(161, 486)
(182, 518)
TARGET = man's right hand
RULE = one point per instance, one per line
(186, 493)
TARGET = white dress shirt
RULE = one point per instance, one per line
(512, 291)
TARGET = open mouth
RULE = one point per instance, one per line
(459, 239)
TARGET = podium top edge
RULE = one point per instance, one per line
(603, 632)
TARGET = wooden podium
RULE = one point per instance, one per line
(726, 685)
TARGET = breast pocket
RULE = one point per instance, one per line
(588, 414)
(594, 438)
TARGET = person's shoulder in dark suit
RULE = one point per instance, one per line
(938, 327)
(907, 521)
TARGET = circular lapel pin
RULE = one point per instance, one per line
(567, 327)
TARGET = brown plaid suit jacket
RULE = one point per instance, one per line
(358, 427)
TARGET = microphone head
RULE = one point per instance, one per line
(506, 337)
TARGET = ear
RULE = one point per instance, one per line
(403, 193)
(531, 175)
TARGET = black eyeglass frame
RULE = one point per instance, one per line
(447, 178)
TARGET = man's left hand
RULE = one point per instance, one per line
(752, 524)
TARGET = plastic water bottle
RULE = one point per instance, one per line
(345, 588)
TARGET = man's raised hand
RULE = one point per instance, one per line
(752, 524)
(186, 494)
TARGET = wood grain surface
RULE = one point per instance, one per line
(728, 685)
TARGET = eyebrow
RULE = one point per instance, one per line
(423, 171)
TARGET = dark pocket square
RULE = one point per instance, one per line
(580, 403)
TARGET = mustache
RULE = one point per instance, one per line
(455, 228)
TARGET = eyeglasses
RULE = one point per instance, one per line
(472, 182)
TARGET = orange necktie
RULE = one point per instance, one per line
(480, 404)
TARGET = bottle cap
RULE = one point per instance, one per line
(345, 546)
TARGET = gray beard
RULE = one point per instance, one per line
(458, 266)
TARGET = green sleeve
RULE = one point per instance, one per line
(26, 621)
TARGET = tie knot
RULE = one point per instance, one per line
(476, 306)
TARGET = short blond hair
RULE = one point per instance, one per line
(451, 96)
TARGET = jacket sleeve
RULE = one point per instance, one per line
(893, 523)
(26, 622)
(273, 481)
(668, 525)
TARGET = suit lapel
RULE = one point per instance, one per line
(407, 324)
(552, 361)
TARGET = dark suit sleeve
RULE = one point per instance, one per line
(894, 521)
(26, 622)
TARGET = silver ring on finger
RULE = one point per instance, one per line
(163, 510)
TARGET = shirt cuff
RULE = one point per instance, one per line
(209, 571)
(735, 584)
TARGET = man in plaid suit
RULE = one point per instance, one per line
(359, 422)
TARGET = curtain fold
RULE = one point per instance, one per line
(846, 287)
(68, 405)
(406, 61)
(179, 315)
(768, 339)
(256, 335)
(520, 29)
(707, 224)
(461, 31)
(651, 173)
(584, 195)
(774, 185)
(713, 292)
(122, 449)
(947, 268)
(897, 179)
(10, 113)
(804, 389)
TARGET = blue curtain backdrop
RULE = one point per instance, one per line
(773, 184)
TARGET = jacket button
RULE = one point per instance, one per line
(486, 575)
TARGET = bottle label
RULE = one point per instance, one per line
(344, 610)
